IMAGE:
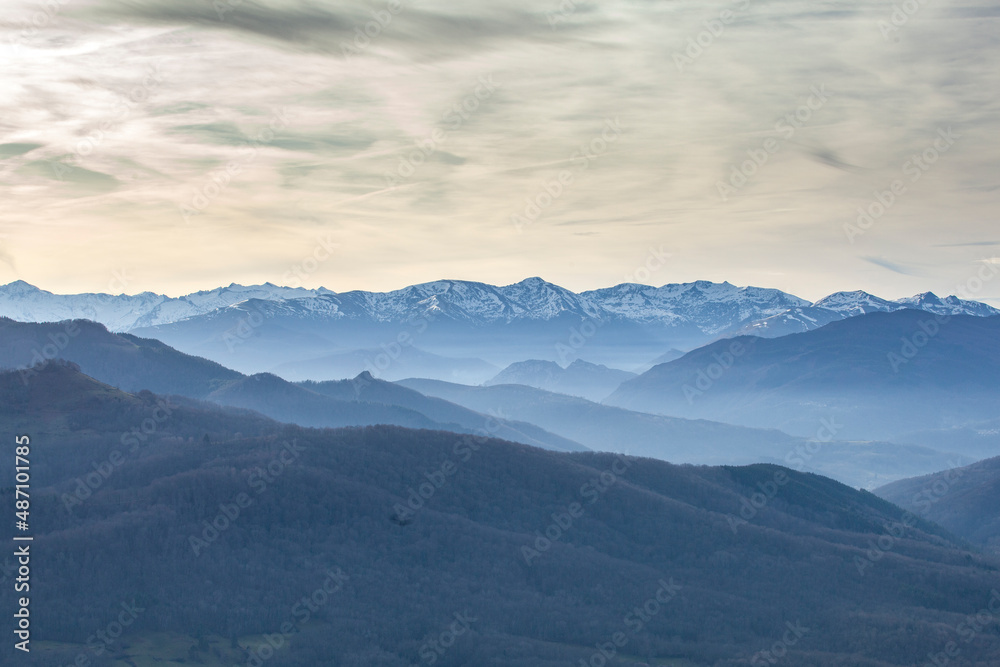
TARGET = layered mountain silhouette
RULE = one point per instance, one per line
(220, 523)
(580, 378)
(133, 364)
(602, 427)
(469, 326)
(388, 363)
(878, 376)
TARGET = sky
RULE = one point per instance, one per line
(178, 145)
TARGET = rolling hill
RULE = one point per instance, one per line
(964, 500)
(132, 363)
(579, 378)
(879, 375)
(233, 535)
(864, 464)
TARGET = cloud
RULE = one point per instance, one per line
(969, 244)
(398, 148)
(893, 266)
(14, 149)
(328, 27)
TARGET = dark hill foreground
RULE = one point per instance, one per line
(223, 528)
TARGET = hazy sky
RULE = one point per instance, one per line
(118, 121)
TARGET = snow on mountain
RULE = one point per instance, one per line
(711, 308)
(855, 303)
(842, 305)
(543, 300)
(25, 303)
(950, 305)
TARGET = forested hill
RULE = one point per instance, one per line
(553, 555)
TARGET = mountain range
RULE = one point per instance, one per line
(135, 364)
(862, 464)
(876, 376)
(271, 328)
(226, 537)
(512, 411)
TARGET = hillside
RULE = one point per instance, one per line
(133, 364)
(606, 428)
(652, 556)
(368, 389)
(963, 500)
(880, 375)
(579, 378)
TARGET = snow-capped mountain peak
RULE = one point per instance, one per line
(712, 309)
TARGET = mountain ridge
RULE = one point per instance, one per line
(698, 302)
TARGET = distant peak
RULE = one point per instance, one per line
(533, 281)
(20, 287)
(364, 376)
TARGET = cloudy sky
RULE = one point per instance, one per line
(176, 145)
